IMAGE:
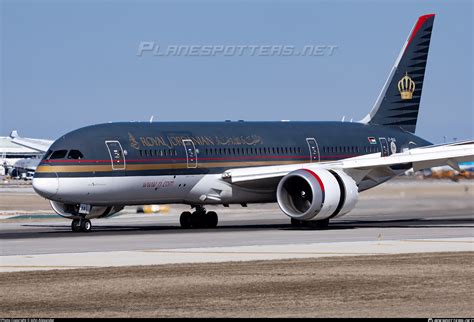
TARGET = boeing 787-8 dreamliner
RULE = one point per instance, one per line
(313, 170)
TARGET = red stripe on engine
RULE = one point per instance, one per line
(317, 178)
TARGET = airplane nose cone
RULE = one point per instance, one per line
(46, 187)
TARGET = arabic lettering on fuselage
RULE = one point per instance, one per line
(172, 141)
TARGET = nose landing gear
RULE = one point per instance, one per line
(199, 218)
(82, 224)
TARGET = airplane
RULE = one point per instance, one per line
(313, 170)
(25, 155)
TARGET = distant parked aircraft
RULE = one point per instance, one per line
(21, 155)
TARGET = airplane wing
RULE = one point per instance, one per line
(29, 164)
(34, 144)
(363, 167)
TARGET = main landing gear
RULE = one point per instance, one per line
(82, 224)
(200, 218)
(315, 224)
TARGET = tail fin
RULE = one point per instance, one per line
(399, 101)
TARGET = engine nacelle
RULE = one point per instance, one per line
(71, 211)
(316, 194)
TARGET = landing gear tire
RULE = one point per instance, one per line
(76, 225)
(198, 219)
(83, 225)
(211, 219)
(185, 220)
(320, 224)
(86, 225)
(315, 224)
(296, 222)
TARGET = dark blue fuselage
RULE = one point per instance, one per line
(177, 148)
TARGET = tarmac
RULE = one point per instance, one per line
(400, 217)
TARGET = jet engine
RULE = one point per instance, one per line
(71, 211)
(316, 194)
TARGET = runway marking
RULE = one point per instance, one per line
(163, 256)
(437, 241)
(42, 266)
(256, 253)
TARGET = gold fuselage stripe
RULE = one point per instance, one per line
(162, 166)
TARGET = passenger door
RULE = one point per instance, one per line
(313, 150)
(116, 155)
(384, 147)
(191, 155)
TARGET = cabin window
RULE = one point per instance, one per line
(59, 154)
(75, 154)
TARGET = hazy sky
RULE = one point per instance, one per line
(67, 64)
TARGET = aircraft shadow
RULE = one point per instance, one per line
(64, 230)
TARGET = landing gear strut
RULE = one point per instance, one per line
(81, 225)
(199, 218)
(316, 224)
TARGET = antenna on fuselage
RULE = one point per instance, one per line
(343, 118)
(151, 119)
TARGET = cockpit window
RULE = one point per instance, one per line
(75, 154)
(59, 154)
(48, 154)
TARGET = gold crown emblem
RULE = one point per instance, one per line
(406, 87)
(133, 142)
